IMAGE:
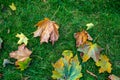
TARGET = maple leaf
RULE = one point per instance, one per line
(22, 54)
(89, 26)
(47, 30)
(90, 50)
(67, 67)
(1, 41)
(114, 77)
(81, 38)
(104, 64)
(23, 39)
(12, 7)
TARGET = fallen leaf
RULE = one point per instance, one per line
(6, 61)
(47, 30)
(89, 26)
(113, 77)
(67, 67)
(23, 39)
(90, 50)
(82, 37)
(1, 41)
(92, 74)
(12, 7)
(23, 64)
(104, 64)
(22, 55)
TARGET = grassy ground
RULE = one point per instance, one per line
(72, 16)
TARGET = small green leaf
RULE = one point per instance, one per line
(24, 64)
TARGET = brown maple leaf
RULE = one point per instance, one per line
(21, 54)
(47, 30)
(81, 38)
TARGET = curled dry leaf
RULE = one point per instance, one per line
(6, 61)
(47, 30)
(82, 37)
(22, 55)
(104, 64)
(90, 50)
(23, 39)
(1, 41)
(67, 67)
(113, 77)
(12, 6)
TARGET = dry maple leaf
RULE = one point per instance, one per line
(81, 38)
(90, 50)
(21, 54)
(47, 30)
(104, 64)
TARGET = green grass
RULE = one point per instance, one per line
(72, 16)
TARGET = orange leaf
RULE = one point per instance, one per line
(82, 37)
(47, 30)
(104, 64)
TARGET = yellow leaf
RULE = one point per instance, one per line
(67, 67)
(89, 26)
(12, 6)
(23, 39)
(104, 64)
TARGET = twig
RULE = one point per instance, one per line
(92, 74)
